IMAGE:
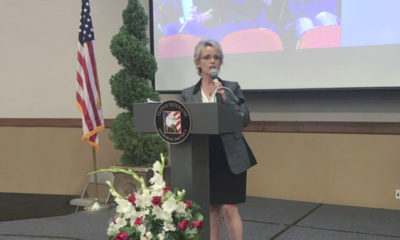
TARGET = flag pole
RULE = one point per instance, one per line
(96, 205)
(88, 92)
(95, 169)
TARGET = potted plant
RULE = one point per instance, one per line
(132, 85)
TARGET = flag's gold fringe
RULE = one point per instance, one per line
(79, 107)
(94, 131)
(93, 144)
(87, 135)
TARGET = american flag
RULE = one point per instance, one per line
(88, 90)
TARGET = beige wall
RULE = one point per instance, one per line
(49, 160)
(39, 54)
(348, 169)
(38, 77)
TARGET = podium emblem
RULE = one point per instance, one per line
(173, 122)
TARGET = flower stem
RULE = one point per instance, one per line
(120, 170)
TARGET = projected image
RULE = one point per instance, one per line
(370, 23)
(281, 44)
(244, 26)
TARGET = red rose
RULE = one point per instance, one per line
(188, 204)
(122, 236)
(138, 221)
(157, 200)
(184, 224)
(167, 189)
(132, 199)
(197, 224)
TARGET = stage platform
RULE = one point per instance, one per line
(263, 218)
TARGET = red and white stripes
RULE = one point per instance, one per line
(88, 94)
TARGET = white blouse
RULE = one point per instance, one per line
(205, 99)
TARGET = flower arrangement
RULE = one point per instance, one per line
(155, 212)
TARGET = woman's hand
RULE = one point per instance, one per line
(221, 91)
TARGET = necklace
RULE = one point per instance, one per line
(208, 89)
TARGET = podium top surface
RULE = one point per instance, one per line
(206, 118)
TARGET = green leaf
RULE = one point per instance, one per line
(199, 217)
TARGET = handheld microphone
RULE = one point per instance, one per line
(214, 73)
(214, 76)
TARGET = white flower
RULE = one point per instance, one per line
(158, 182)
(149, 235)
(142, 229)
(157, 167)
(139, 214)
(180, 192)
(161, 236)
(170, 205)
(181, 207)
(161, 214)
(180, 195)
(143, 200)
(143, 238)
(124, 206)
(169, 226)
(144, 235)
(113, 228)
(143, 213)
(129, 212)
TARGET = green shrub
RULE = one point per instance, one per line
(132, 85)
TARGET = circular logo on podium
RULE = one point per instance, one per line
(173, 122)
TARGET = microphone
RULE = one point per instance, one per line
(214, 74)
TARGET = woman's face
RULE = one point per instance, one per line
(209, 59)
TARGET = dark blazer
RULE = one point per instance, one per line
(239, 155)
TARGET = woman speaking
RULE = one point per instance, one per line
(229, 154)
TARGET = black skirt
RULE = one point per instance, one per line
(225, 187)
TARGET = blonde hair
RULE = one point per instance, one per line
(199, 48)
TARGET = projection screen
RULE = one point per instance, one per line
(281, 44)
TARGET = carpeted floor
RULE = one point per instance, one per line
(262, 219)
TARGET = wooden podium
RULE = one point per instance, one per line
(190, 159)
